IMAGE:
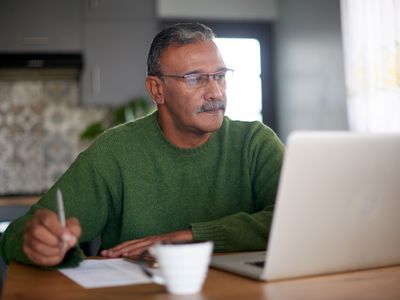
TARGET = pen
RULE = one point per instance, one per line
(149, 261)
(60, 208)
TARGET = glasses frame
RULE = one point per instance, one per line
(189, 76)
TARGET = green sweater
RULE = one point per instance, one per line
(132, 182)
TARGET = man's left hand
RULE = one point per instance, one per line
(136, 247)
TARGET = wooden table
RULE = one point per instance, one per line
(27, 282)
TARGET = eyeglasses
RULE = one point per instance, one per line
(201, 79)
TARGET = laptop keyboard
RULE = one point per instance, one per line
(259, 264)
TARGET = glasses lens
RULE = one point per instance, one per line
(196, 79)
(201, 79)
(223, 76)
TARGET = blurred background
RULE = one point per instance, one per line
(67, 65)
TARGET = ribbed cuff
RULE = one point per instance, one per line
(210, 231)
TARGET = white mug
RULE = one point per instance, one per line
(183, 265)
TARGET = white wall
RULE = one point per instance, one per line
(217, 9)
(309, 66)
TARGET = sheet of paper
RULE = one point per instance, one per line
(96, 273)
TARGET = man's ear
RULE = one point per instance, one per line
(155, 89)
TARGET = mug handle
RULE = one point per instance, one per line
(143, 266)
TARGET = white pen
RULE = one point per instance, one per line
(60, 208)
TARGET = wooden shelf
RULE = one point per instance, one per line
(18, 200)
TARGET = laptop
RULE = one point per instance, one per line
(337, 208)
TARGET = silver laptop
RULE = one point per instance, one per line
(337, 208)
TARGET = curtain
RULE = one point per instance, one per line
(371, 40)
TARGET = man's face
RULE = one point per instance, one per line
(192, 109)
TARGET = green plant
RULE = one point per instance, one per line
(134, 109)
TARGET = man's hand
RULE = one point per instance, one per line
(136, 247)
(46, 241)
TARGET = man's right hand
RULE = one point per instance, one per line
(46, 241)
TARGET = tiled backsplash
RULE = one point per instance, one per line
(40, 124)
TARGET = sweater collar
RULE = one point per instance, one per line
(182, 151)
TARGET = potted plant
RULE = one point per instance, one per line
(134, 109)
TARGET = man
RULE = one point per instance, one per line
(185, 172)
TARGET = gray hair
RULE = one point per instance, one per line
(179, 34)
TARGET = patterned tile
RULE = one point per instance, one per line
(6, 119)
(40, 124)
(26, 92)
(69, 122)
(21, 134)
(61, 91)
(6, 155)
(56, 118)
(23, 162)
(22, 106)
(59, 152)
(29, 163)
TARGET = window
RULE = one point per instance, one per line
(244, 90)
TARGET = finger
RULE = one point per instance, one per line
(137, 251)
(34, 230)
(72, 232)
(42, 260)
(43, 249)
(127, 249)
(115, 251)
(49, 219)
(138, 243)
(74, 227)
(120, 247)
(38, 239)
(126, 244)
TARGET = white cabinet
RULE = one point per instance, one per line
(40, 26)
(117, 38)
(119, 10)
(113, 35)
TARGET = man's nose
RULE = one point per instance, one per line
(214, 89)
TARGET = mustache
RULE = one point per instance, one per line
(212, 106)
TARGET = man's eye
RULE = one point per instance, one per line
(219, 76)
(202, 78)
(192, 79)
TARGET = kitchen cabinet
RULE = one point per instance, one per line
(112, 35)
(117, 39)
(40, 26)
(119, 10)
